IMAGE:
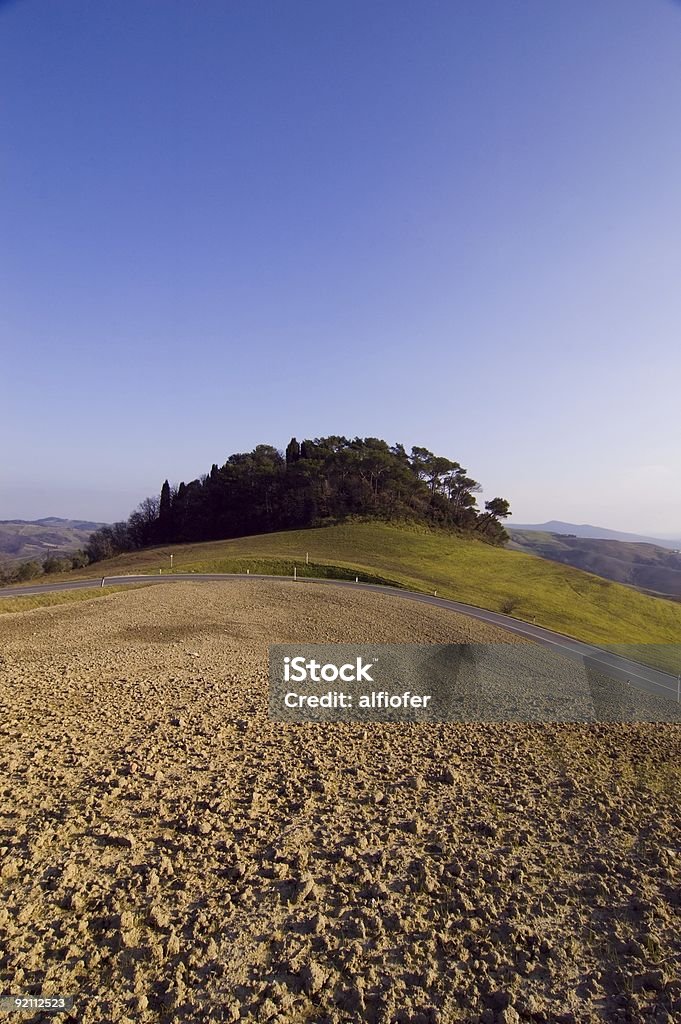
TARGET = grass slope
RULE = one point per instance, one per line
(557, 596)
(31, 601)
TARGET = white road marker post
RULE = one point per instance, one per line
(307, 558)
(171, 563)
(295, 573)
(103, 578)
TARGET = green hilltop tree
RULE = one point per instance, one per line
(489, 522)
(499, 508)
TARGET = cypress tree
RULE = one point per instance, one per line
(165, 514)
(292, 451)
(164, 507)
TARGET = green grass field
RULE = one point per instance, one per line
(556, 596)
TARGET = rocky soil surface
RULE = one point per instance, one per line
(170, 854)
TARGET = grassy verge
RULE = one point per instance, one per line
(285, 567)
(31, 601)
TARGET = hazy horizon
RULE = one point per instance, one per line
(444, 225)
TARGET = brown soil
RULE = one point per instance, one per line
(169, 854)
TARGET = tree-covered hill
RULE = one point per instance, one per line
(315, 482)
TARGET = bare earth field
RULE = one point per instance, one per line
(169, 854)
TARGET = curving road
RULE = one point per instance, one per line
(616, 667)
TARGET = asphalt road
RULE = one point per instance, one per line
(595, 658)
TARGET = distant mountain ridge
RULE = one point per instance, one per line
(74, 524)
(23, 540)
(595, 533)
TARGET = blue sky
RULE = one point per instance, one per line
(448, 224)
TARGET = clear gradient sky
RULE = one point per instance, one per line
(443, 223)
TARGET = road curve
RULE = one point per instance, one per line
(616, 667)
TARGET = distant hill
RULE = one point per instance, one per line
(594, 533)
(24, 540)
(646, 566)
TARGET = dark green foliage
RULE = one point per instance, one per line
(20, 572)
(164, 527)
(322, 480)
(110, 540)
(53, 563)
(292, 451)
(498, 507)
(488, 523)
(28, 570)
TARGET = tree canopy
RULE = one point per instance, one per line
(326, 479)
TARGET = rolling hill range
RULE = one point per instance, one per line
(557, 596)
(648, 567)
(594, 533)
(22, 540)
